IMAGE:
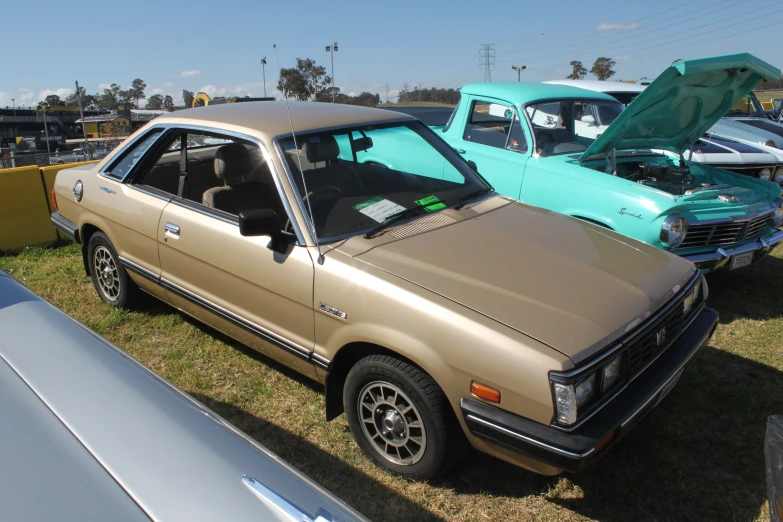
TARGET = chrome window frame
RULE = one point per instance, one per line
(104, 171)
(195, 206)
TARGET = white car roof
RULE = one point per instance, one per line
(599, 86)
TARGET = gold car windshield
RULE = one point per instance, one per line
(356, 178)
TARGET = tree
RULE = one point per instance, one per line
(155, 102)
(188, 96)
(303, 81)
(168, 103)
(52, 101)
(88, 100)
(136, 91)
(602, 68)
(579, 71)
(112, 97)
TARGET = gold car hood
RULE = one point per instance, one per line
(569, 284)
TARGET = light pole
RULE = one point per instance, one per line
(46, 129)
(81, 113)
(332, 49)
(263, 71)
(519, 69)
(13, 101)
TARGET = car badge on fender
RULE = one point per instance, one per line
(107, 190)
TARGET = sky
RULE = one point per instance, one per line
(216, 46)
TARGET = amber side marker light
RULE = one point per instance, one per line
(484, 392)
(54, 200)
(604, 442)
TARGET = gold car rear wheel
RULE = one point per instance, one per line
(110, 279)
(401, 419)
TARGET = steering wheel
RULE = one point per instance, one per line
(320, 193)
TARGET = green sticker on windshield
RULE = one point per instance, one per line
(367, 203)
(430, 203)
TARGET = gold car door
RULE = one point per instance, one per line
(237, 284)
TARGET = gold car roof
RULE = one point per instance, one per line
(270, 119)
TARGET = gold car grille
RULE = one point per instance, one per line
(655, 337)
(724, 234)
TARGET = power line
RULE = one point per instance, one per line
(487, 53)
(610, 34)
(609, 50)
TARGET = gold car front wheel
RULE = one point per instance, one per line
(401, 419)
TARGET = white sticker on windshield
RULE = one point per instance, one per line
(378, 208)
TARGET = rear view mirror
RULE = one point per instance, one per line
(262, 222)
(588, 119)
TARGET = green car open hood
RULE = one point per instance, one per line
(683, 102)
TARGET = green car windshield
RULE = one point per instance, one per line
(354, 179)
(568, 126)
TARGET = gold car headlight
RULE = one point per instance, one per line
(765, 174)
(576, 394)
(778, 177)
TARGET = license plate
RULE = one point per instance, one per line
(741, 260)
(666, 389)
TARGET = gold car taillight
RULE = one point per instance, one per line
(484, 392)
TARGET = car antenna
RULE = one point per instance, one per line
(301, 171)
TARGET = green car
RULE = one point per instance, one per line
(579, 153)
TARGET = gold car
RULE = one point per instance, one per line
(366, 254)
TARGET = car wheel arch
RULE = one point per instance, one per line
(345, 359)
(85, 233)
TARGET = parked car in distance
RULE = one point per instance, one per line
(91, 434)
(433, 310)
(77, 155)
(579, 153)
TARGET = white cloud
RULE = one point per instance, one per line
(5, 99)
(62, 92)
(168, 85)
(156, 91)
(623, 57)
(603, 26)
(27, 96)
(187, 74)
(102, 86)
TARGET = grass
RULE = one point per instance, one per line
(697, 456)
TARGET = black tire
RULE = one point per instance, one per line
(443, 441)
(110, 279)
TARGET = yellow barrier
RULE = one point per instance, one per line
(47, 178)
(24, 212)
(27, 204)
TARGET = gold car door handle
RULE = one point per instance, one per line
(172, 229)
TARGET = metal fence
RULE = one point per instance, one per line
(43, 159)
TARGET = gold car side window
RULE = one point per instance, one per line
(120, 168)
(221, 173)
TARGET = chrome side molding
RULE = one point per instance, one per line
(290, 510)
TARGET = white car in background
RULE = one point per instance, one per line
(720, 147)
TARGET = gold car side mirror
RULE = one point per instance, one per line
(263, 222)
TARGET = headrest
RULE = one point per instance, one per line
(232, 161)
(321, 148)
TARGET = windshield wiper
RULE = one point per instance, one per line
(415, 211)
(464, 200)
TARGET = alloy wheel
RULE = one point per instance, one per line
(106, 273)
(392, 423)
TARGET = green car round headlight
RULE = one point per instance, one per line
(765, 174)
(673, 231)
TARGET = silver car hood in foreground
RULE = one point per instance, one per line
(90, 434)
